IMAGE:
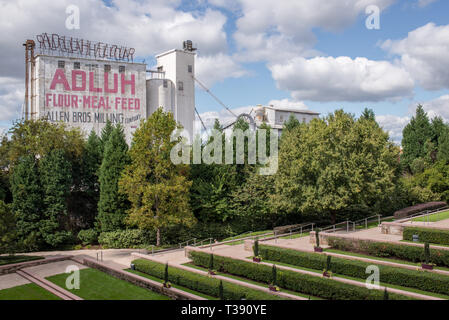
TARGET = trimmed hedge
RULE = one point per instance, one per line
(426, 281)
(291, 280)
(131, 238)
(403, 213)
(389, 250)
(427, 235)
(200, 283)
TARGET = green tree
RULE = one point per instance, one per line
(443, 146)
(89, 190)
(157, 188)
(368, 114)
(335, 165)
(56, 180)
(113, 204)
(27, 202)
(414, 137)
(105, 134)
(291, 123)
(8, 229)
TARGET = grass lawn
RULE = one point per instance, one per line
(191, 265)
(434, 217)
(295, 236)
(97, 285)
(16, 259)
(28, 291)
(173, 285)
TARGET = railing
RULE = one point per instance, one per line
(335, 227)
(423, 214)
(181, 245)
(240, 235)
(303, 227)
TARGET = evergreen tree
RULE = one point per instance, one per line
(157, 188)
(27, 202)
(220, 291)
(415, 135)
(368, 114)
(291, 123)
(112, 204)
(105, 134)
(443, 146)
(56, 179)
(8, 229)
(90, 187)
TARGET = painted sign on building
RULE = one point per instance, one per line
(86, 93)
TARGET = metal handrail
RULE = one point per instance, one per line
(239, 235)
(421, 213)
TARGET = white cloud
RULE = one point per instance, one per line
(436, 107)
(276, 30)
(424, 53)
(150, 27)
(11, 98)
(425, 3)
(216, 68)
(342, 79)
(288, 104)
(393, 125)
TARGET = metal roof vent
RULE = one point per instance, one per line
(188, 46)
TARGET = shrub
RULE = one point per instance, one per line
(256, 248)
(131, 238)
(88, 236)
(427, 235)
(200, 283)
(291, 280)
(317, 238)
(410, 253)
(426, 281)
(403, 213)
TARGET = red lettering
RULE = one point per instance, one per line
(86, 101)
(75, 73)
(91, 83)
(47, 99)
(131, 82)
(106, 83)
(59, 78)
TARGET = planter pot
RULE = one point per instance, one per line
(318, 249)
(327, 275)
(256, 259)
(427, 266)
(166, 285)
(272, 288)
(212, 273)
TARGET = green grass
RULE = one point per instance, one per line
(28, 291)
(295, 236)
(361, 255)
(16, 259)
(191, 265)
(96, 285)
(434, 217)
(359, 280)
(173, 285)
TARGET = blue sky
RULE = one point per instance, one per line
(315, 54)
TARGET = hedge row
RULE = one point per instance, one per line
(427, 235)
(439, 257)
(291, 280)
(200, 283)
(425, 281)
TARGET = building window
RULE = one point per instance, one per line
(121, 69)
(190, 68)
(281, 118)
(165, 82)
(61, 64)
(303, 120)
(76, 65)
(160, 69)
(180, 85)
(107, 68)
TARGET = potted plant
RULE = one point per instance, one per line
(386, 294)
(273, 286)
(317, 247)
(166, 284)
(427, 265)
(256, 257)
(327, 272)
(211, 265)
